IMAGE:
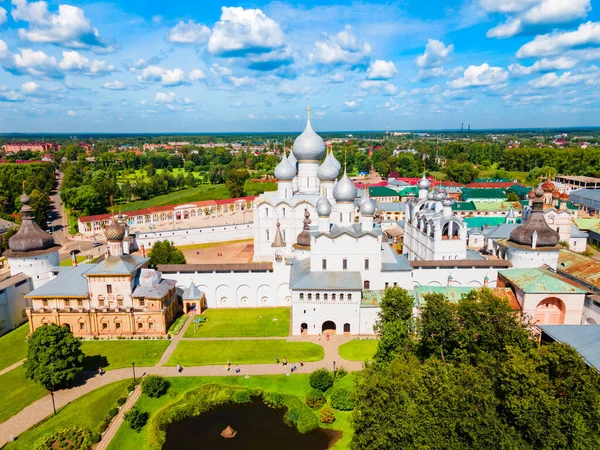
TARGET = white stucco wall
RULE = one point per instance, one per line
(191, 236)
(12, 305)
(37, 267)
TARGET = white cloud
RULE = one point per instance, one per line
(524, 14)
(75, 62)
(432, 90)
(379, 86)
(241, 31)
(434, 72)
(3, 49)
(220, 71)
(10, 96)
(483, 75)
(381, 70)
(30, 87)
(435, 54)
(164, 97)
(157, 19)
(189, 32)
(2, 15)
(34, 63)
(342, 48)
(558, 42)
(156, 74)
(543, 65)
(197, 74)
(566, 79)
(69, 28)
(72, 113)
(251, 116)
(114, 86)
(350, 106)
(336, 78)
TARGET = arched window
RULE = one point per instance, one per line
(318, 296)
(310, 296)
(341, 296)
(349, 296)
(332, 296)
(367, 284)
(325, 296)
(301, 296)
(267, 235)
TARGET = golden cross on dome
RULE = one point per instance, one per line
(308, 106)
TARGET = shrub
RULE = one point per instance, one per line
(136, 418)
(241, 396)
(321, 379)
(121, 401)
(131, 387)
(315, 398)
(273, 400)
(103, 426)
(113, 412)
(72, 438)
(155, 386)
(340, 373)
(326, 415)
(342, 399)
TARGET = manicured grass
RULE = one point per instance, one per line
(212, 244)
(178, 324)
(67, 262)
(134, 174)
(297, 384)
(204, 353)
(85, 412)
(121, 353)
(17, 392)
(13, 346)
(358, 350)
(243, 322)
(196, 194)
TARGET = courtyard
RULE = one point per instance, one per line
(247, 322)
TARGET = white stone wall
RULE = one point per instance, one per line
(591, 313)
(314, 313)
(527, 259)
(13, 304)
(473, 277)
(39, 268)
(122, 286)
(192, 236)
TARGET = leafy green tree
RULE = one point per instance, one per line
(235, 179)
(438, 327)
(321, 380)
(40, 203)
(512, 197)
(461, 172)
(394, 324)
(155, 386)
(137, 419)
(163, 252)
(54, 357)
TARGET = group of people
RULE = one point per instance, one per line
(285, 363)
(228, 367)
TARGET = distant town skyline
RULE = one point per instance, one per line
(159, 67)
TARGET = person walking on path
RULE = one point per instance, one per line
(277, 359)
(237, 369)
(284, 361)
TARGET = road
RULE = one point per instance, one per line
(57, 225)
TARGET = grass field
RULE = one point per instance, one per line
(86, 412)
(134, 174)
(13, 346)
(200, 193)
(358, 350)
(121, 353)
(204, 353)
(16, 392)
(67, 262)
(212, 244)
(127, 439)
(243, 322)
(519, 176)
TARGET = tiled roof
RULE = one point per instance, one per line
(11, 281)
(391, 206)
(192, 293)
(486, 221)
(580, 268)
(154, 291)
(455, 293)
(69, 283)
(534, 281)
(117, 265)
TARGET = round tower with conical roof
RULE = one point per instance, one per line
(31, 250)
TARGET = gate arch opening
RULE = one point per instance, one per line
(328, 327)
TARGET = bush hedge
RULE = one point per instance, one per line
(341, 399)
(73, 438)
(155, 386)
(326, 415)
(136, 418)
(315, 398)
(321, 379)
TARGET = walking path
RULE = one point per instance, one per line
(118, 419)
(90, 381)
(9, 368)
(171, 348)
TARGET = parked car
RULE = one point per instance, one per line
(96, 244)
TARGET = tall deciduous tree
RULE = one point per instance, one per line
(163, 252)
(235, 179)
(395, 324)
(54, 357)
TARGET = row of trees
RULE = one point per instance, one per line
(471, 375)
(573, 161)
(36, 179)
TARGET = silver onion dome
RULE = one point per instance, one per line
(430, 195)
(344, 190)
(327, 171)
(447, 201)
(114, 232)
(284, 170)
(334, 161)
(423, 183)
(364, 198)
(324, 207)
(293, 161)
(368, 207)
(309, 146)
(439, 195)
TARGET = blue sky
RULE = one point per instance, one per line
(206, 66)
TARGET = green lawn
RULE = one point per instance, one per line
(16, 392)
(358, 350)
(13, 346)
(67, 262)
(86, 412)
(196, 194)
(297, 384)
(133, 174)
(121, 353)
(204, 353)
(243, 322)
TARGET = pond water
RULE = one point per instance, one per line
(258, 428)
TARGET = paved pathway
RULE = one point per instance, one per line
(174, 341)
(90, 381)
(112, 429)
(9, 368)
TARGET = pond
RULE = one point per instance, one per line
(258, 427)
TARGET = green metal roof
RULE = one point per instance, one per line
(463, 206)
(492, 180)
(371, 297)
(587, 223)
(493, 206)
(409, 190)
(452, 293)
(521, 191)
(473, 193)
(491, 221)
(537, 281)
(382, 191)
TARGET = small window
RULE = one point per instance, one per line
(151, 325)
(120, 300)
(283, 212)
(324, 264)
(366, 263)
(387, 284)
(318, 296)
(81, 326)
(267, 235)
(310, 296)
(101, 301)
(332, 296)
(301, 296)
(349, 296)
(344, 264)
(341, 296)
(104, 326)
(45, 302)
(395, 284)
(266, 212)
(109, 288)
(67, 302)
(118, 325)
(325, 296)
(142, 302)
(79, 302)
(140, 325)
